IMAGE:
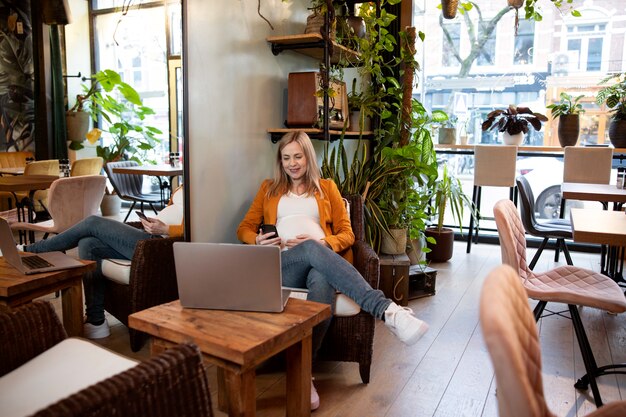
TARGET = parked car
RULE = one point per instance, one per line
(545, 175)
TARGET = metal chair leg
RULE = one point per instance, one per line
(542, 246)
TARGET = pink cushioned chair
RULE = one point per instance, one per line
(70, 200)
(565, 284)
(510, 333)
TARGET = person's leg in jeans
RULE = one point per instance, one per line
(343, 277)
(339, 274)
(117, 235)
(91, 248)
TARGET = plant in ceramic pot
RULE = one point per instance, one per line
(446, 191)
(568, 111)
(447, 130)
(514, 122)
(615, 98)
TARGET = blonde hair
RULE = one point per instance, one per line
(281, 182)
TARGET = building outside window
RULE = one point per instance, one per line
(524, 43)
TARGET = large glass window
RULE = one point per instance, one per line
(451, 44)
(584, 46)
(487, 55)
(137, 42)
(524, 43)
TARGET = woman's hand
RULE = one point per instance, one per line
(301, 238)
(267, 239)
(155, 226)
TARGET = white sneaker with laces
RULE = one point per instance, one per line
(92, 331)
(315, 398)
(403, 323)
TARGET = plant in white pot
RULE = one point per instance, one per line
(446, 191)
(514, 122)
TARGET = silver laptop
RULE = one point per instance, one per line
(225, 276)
(29, 263)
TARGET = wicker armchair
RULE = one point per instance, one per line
(351, 339)
(152, 282)
(173, 383)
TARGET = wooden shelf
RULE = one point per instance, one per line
(314, 133)
(312, 45)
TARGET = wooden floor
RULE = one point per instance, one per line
(447, 373)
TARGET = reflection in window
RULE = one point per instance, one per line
(594, 54)
(451, 45)
(488, 53)
(524, 43)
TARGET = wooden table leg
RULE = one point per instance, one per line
(299, 358)
(72, 302)
(240, 393)
(222, 397)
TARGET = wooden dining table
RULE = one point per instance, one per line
(606, 227)
(593, 192)
(30, 184)
(158, 171)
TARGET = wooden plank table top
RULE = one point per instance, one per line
(26, 182)
(12, 170)
(163, 170)
(17, 289)
(593, 192)
(599, 226)
(237, 341)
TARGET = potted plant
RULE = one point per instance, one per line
(120, 109)
(568, 110)
(514, 122)
(615, 98)
(447, 131)
(446, 191)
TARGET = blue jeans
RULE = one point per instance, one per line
(313, 266)
(97, 238)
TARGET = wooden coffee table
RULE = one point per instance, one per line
(236, 342)
(17, 289)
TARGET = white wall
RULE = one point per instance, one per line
(237, 90)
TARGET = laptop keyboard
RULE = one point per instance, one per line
(35, 262)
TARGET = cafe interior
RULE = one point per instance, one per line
(498, 230)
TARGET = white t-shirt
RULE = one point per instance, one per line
(298, 215)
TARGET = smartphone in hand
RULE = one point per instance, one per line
(141, 215)
(268, 228)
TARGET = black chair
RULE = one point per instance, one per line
(559, 229)
(128, 187)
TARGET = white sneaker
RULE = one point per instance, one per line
(315, 398)
(402, 323)
(20, 248)
(92, 331)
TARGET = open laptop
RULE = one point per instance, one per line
(225, 276)
(28, 263)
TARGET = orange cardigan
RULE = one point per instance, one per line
(334, 218)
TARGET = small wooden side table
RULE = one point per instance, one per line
(236, 342)
(394, 277)
(17, 289)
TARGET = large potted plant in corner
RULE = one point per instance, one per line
(568, 111)
(615, 98)
(514, 122)
(120, 110)
(447, 191)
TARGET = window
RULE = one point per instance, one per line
(134, 41)
(524, 43)
(453, 31)
(584, 46)
(487, 55)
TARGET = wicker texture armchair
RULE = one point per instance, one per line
(152, 282)
(27, 334)
(351, 339)
(173, 383)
